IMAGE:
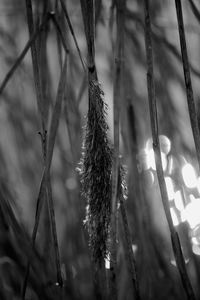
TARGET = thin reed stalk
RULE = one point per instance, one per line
(40, 200)
(159, 38)
(188, 82)
(45, 187)
(59, 30)
(156, 146)
(36, 70)
(119, 60)
(131, 263)
(23, 53)
(51, 141)
(195, 10)
(72, 32)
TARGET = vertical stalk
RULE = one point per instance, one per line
(188, 83)
(128, 250)
(98, 157)
(22, 54)
(36, 70)
(119, 57)
(154, 127)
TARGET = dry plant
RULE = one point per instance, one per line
(89, 238)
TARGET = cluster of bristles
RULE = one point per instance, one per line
(95, 171)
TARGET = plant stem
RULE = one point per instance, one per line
(154, 126)
(36, 71)
(59, 30)
(120, 6)
(72, 32)
(129, 252)
(45, 186)
(159, 38)
(188, 83)
(195, 11)
(23, 53)
(40, 200)
(96, 104)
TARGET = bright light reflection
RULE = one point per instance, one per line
(196, 249)
(165, 144)
(189, 176)
(192, 212)
(183, 216)
(174, 217)
(144, 160)
(107, 262)
(151, 160)
(170, 188)
(173, 262)
(198, 184)
(195, 241)
(171, 164)
(151, 178)
(195, 233)
(178, 200)
(134, 248)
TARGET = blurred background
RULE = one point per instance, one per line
(22, 161)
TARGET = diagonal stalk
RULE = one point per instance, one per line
(195, 10)
(36, 70)
(72, 32)
(23, 53)
(59, 30)
(188, 82)
(156, 146)
(45, 186)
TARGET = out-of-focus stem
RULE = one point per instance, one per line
(156, 146)
(188, 82)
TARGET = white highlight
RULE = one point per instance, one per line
(192, 212)
(107, 262)
(178, 201)
(151, 160)
(198, 184)
(170, 188)
(196, 249)
(174, 217)
(134, 248)
(165, 144)
(189, 176)
(173, 262)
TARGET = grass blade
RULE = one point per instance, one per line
(45, 187)
(156, 146)
(127, 236)
(40, 201)
(120, 6)
(188, 82)
(59, 30)
(50, 147)
(72, 32)
(195, 10)
(22, 55)
(36, 71)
